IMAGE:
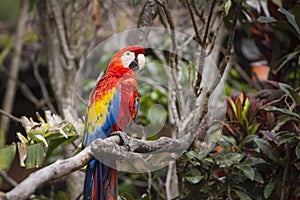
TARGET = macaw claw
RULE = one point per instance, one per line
(124, 138)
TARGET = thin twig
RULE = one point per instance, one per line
(243, 74)
(79, 47)
(23, 87)
(83, 101)
(10, 116)
(174, 64)
(10, 92)
(211, 45)
(224, 61)
(169, 180)
(198, 11)
(150, 183)
(284, 187)
(8, 179)
(207, 24)
(43, 86)
(61, 29)
(192, 13)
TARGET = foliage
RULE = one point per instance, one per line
(256, 157)
(41, 141)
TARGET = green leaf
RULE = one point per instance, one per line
(253, 129)
(40, 138)
(247, 139)
(193, 179)
(234, 108)
(290, 92)
(2, 138)
(286, 59)
(257, 177)
(282, 111)
(7, 155)
(297, 150)
(7, 42)
(194, 176)
(253, 161)
(268, 150)
(291, 19)
(247, 170)
(126, 196)
(242, 195)
(229, 159)
(269, 189)
(193, 154)
(22, 138)
(246, 108)
(227, 7)
(35, 155)
(285, 137)
(263, 19)
(62, 195)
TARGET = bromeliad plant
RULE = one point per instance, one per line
(42, 138)
(257, 156)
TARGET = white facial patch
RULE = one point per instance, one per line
(127, 58)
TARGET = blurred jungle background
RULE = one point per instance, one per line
(255, 45)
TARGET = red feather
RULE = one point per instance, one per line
(123, 81)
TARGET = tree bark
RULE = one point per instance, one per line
(109, 147)
(9, 96)
(62, 72)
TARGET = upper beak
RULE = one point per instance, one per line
(141, 61)
(138, 63)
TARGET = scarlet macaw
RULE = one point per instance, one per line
(113, 104)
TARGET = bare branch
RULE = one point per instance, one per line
(10, 92)
(146, 19)
(49, 173)
(43, 86)
(207, 24)
(23, 87)
(8, 179)
(3, 112)
(198, 11)
(109, 146)
(192, 13)
(224, 61)
(174, 65)
(60, 28)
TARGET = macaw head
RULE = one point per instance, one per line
(129, 58)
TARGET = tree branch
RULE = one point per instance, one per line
(7, 179)
(3, 112)
(192, 13)
(107, 147)
(224, 61)
(10, 92)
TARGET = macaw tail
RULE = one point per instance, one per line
(102, 180)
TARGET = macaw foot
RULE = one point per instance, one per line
(124, 138)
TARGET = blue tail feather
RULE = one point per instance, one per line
(100, 181)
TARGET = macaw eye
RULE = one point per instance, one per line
(127, 53)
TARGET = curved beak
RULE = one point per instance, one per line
(138, 63)
(141, 61)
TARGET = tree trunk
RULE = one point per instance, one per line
(62, 72)
(9, 96)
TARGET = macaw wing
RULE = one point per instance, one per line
(101, 116)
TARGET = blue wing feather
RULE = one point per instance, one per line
(110, 119)
(96, 171)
